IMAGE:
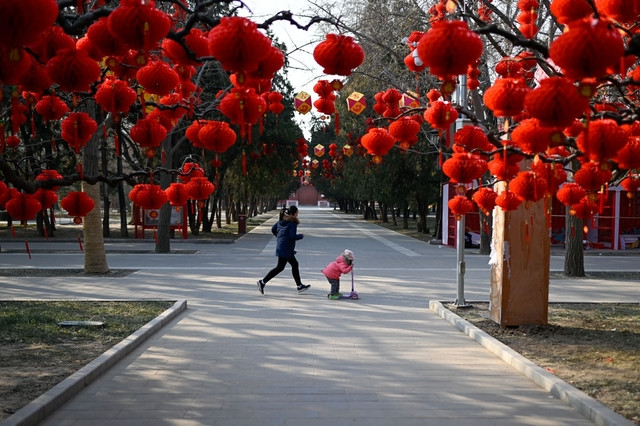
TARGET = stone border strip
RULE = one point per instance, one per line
(584, 404)
(43, 406)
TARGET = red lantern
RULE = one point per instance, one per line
(4, 193)
(35, 79)
(567, 11)
(190, 171)
(440, 115)
(51, 107)
(268, 67)
(485, 198)
(448, 48)
(115, 96)
(158, 78)
(556, 102)
(216, 136)
(138, 24)
(531, 137)
(553, 173)
(377, 142)
(275, 102)
(507, 200)
(149, 196)
(77, 130)
(46, 175)
(503, 170)
(585, 209)
(14, 63)
(570, 193)
(193, 131)
(200, 188)
(405, 131)
(460, 205)
(631, 185)
(464, 167)
(107, 43)
(195, 41)
(24, 22)
(629, 156)
(528, 186)
(78, 205)
(509, 67)
(471, 139)
(148, 133)
(592, 176)
(506, 97)
(23, 206)
(602, 140)
(46, 197)
(73, 70)
(178, 194)
(338, 54)
(623, 11)
(587, 48)
(238, 44)
(242, 106)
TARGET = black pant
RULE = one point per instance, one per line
(282, 262)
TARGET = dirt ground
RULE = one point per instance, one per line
(593, 347)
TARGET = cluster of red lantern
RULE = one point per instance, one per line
(527, 16)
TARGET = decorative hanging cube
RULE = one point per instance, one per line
(409, 100)
(318, 150)
(303, 102)
(356, 103)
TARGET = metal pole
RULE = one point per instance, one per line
(460, 245)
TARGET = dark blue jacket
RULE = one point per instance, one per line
(285, 231)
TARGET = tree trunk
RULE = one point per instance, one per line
(573, 246)
(122, 203)
(163, 242)
(95, 258)
(486, 225)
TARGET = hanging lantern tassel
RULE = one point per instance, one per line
(573, 231)
(116, 140)
(155, 235)
(80, 242)
(163, 156)
(13, 231)
(603, 194)
(440, 159)
(244, 163)
(26, 245)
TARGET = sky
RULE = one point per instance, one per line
(303, 72)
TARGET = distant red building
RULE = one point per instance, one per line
(306, 196)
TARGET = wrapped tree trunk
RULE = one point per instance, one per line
(520, 265)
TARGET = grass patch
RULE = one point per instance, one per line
(36, 353)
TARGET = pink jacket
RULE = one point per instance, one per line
(337, 268)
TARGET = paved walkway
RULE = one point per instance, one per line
(235, 357)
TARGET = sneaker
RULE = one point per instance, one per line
(333, 296)
(261, 286)
(303, 287)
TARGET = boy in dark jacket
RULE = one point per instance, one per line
(286, 232)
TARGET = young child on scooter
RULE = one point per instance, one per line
(342, 265)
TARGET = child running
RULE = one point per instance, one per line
(342, 265)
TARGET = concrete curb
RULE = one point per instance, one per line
(43, 406)
(584, 404)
